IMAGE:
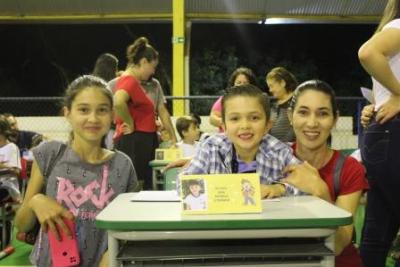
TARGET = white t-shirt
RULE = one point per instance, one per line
(381, 94)
(196, 203)
(9, 155)
(187, 149)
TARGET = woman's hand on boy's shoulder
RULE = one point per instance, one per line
(306, 178)
(272, 190)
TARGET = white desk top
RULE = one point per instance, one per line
(291, 212)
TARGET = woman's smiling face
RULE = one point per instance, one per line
(313, 119)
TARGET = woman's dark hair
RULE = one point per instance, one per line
(106, 67)
(282, 74)
(242, 71)
(140, 49)
(248, 90)
(319, 86)
(391, 12)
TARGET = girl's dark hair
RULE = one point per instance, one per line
(248, 90)
(5, 127)
(106, 67)
(282, 74)
(140, 49)
(244, 71)
(82, 83)
(391, 12)
(319, 86)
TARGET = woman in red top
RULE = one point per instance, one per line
(135, 132)
(313, 114)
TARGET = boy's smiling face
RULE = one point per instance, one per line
(245, 125)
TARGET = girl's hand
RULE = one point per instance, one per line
(366, 115)
(127, 129)
(388, 110)
(272, 190)
(50, 213)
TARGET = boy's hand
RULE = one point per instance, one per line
(272, 190)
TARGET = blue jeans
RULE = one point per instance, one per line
(380, 152)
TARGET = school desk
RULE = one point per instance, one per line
(159, 228)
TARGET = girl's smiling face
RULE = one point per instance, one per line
(90, 115)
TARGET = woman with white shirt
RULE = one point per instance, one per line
(380, 150)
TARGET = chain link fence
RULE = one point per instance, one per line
(43, 115)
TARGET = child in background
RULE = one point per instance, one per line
(246, 146)
(188, 130)
(196, 199)
(77, 180)
(203, 135)
(10, 164)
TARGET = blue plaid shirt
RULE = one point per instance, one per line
(214, 156)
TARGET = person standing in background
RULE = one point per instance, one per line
(154, 91)
(380, 148)
(136, 131)
(281, 85)
(106, 67)
(240, 76)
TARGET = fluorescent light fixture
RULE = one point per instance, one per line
(285, 21)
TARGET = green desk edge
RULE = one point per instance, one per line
(224, 225)
(159, 163)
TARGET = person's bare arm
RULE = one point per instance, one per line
(374, 55)
(37, 205)
(121, 99)
(344, 234)
(215, 118)
(166, 121)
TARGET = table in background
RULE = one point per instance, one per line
(157, 176)
(291, 218)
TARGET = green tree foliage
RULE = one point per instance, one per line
(210, 70)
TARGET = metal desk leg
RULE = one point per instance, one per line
(112, 250)
(329, 261)
(154, 177)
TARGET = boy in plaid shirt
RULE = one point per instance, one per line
(246, 145)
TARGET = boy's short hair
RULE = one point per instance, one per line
(250, 91)
(183, 124)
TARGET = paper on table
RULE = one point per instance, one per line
(156, 196)
(367, 94)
